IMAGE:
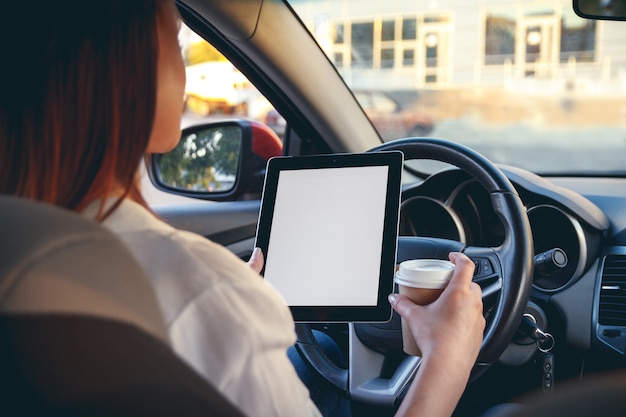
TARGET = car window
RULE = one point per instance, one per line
(525, 83)
(383, 103)
(215, 90)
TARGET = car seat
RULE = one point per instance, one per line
(81, 332)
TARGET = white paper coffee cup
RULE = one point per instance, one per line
(422, 281)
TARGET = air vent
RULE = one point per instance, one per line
(613, 291)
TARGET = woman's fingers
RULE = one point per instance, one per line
(401, 304)
(454, 319)
(256, 260)
(463, 271)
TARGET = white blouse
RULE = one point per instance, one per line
(226, 321)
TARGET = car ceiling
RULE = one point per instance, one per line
(260, 31)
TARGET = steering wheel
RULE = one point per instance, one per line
(504, 274)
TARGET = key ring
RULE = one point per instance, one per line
(546, 344)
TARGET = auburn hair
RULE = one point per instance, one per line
(78, 102)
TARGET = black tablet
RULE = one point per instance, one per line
(328, 228)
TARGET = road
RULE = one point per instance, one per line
(542, 149)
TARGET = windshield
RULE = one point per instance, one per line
(525, 83)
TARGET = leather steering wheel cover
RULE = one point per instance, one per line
(515, 254)
(453, 153)
(308, 347)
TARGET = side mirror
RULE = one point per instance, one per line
(220, 161)
(601, 9)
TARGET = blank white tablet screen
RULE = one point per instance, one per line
(326, 236)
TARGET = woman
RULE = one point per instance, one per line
(82, 101)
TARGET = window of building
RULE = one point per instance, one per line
(409, 29)
(362, 45)
(575, 38)
(499, 39)
(338, 34)
(416, 46)
(387, 58)
(408, 57)
(388, 31)
(578, 38)
(338, 59)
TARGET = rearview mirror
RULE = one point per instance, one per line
(220, 161)
(601, 9)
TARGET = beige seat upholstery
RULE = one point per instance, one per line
(55, 262)
(80, 329)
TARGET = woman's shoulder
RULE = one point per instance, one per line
(187, 269)
(160, 246)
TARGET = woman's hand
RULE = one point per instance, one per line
(455, 319)
(449, 332)
(256, 260)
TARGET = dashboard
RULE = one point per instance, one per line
(581, 294)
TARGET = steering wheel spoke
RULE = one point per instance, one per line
(487, 271)
(368, 382)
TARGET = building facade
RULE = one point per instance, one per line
(425, 45)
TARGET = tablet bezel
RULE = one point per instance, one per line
(393, 160)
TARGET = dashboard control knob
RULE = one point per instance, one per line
(550, 261)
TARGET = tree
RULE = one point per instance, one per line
(202, 157)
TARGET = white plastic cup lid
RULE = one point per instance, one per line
(424, 273)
